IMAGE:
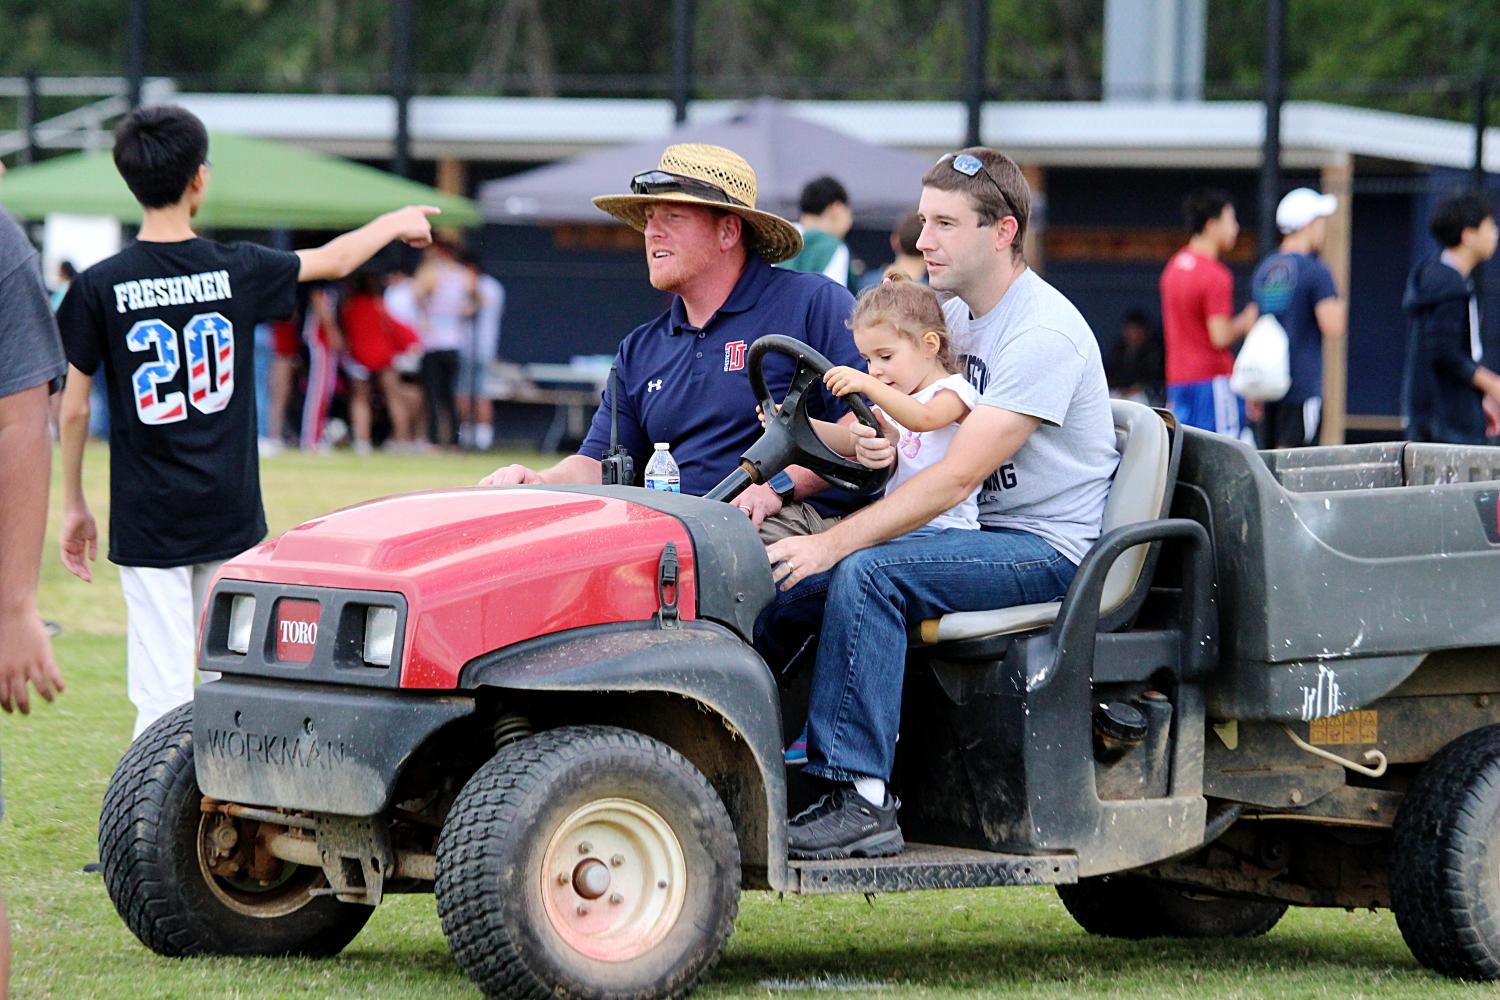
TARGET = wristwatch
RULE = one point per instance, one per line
(784, 487)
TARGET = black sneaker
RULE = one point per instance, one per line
(842, 824)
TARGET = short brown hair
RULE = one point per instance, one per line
(908, 230)
(911, 308)
(1004, 192)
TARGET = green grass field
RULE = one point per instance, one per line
(69, 943)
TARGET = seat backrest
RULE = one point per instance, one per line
(1141, 491)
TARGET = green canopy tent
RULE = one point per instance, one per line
(254, 184)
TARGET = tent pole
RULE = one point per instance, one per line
(1270, 157)
(1481, 121)
(401, 58)
(28, 118)
(135, 51)
(977, 35)
(682, 58)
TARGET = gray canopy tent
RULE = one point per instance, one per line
(785, 150)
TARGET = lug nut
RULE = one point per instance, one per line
(583, 910)
(585, 847)
(562, 878)
(617, 860)
(616, 898)
(661, 883)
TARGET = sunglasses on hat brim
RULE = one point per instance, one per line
(970, 166)
(662, 182)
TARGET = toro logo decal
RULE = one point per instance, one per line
(296, 631)
(1488, 504)
(734, 356)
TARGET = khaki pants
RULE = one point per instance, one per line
(795, 519)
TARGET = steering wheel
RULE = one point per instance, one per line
(789, 438)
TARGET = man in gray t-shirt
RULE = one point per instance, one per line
(1041, 447)
(1056, 484)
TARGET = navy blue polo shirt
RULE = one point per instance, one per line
(690, 387)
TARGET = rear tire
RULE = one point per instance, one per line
(151, 834)
(587, 862)
(1122, 906)
(1445, 860)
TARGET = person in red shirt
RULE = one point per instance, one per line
(373, 340)
(1198, 320)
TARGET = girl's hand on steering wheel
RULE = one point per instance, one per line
(842, 380)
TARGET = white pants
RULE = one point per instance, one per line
(163, 609)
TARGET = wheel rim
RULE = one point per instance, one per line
(284, 894)
(614, 880)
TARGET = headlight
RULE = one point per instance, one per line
(241, 617)
(380, 636)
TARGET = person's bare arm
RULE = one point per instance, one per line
(1244, 320)
(322, 307)
(339, 257)
(1487, 382)
(1333, 317)
(574, 469)
(79, 543)
(1221, 332)
(25, 473)
(943, 409)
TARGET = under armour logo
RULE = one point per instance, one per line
(653, 385)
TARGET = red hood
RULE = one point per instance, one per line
(483, 568)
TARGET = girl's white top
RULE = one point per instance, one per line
(919, 450)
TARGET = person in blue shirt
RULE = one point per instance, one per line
(1298, 289)
(683, 376)
(1450, 394)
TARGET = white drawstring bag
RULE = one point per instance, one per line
(1263, 369)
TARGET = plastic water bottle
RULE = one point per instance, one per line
(661, 471)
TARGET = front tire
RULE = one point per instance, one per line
(1445, 860)
(587, 862)
(157, 848)
(1124, 906)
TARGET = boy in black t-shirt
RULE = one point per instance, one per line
(171, 319)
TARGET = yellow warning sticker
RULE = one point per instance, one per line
(1349, 729)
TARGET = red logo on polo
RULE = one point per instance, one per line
(296, 631)
(734, 356)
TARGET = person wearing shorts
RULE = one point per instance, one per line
(1198, 322)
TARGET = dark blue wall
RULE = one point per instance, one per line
(562, 302)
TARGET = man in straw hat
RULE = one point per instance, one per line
(1040, 447)
(682, 376)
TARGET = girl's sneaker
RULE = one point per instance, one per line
(796, 753)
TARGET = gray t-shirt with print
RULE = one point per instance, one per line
(1034, 353)
(30, 351)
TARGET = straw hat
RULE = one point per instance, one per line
(715, 172)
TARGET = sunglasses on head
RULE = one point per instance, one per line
(662, 182)
(970, 165)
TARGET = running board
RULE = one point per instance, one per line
(927, 866)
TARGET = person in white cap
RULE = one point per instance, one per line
(1297, 288)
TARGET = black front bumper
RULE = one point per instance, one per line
(320, 748)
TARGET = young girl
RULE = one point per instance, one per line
(900, 332)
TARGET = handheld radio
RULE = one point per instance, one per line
(617, 467)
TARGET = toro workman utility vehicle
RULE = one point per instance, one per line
(1273, 681)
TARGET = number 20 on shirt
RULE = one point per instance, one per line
(208, 342)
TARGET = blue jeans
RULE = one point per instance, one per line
(867, 604)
